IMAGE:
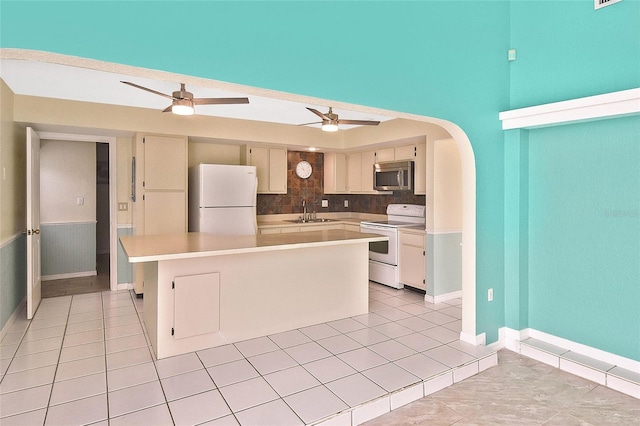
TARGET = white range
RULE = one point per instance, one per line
(383, 255)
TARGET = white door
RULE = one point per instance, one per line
(34, 294)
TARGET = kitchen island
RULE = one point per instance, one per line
(204, 290)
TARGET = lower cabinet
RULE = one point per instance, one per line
(309, 227)
(411, 259)
(196, 305)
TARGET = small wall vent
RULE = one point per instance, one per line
(599, 4)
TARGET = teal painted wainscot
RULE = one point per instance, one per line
(125, 269)
(13, 276)
(68, 249)
(444, 266)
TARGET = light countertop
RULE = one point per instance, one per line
(152, 248)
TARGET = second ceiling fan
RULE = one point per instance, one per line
(330, 121)
(183, 102)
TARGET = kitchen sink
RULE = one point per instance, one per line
(317, 220)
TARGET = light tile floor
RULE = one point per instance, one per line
(85, 359)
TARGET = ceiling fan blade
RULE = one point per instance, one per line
(168, 109)
(359, 122)
(147, 89)
(306, 124)
(318, 113)
(220, 101)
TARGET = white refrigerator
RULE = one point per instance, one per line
(222, 199)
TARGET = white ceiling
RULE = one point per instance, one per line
(51, 80)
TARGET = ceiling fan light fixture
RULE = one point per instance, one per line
(330, 126)
(182, 107)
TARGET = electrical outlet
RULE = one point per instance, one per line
(490, 295)
(346, 203)
(325, 203)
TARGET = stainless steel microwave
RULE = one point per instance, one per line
(393, 176)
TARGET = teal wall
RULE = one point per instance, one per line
(444, 263)
(570, 270)
(440, 59)
(568, 50)
(125, 269)
(584, 233)
(68, 248)
(13, 276)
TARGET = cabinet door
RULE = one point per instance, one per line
(405, 152)
(420, 170)
(164, 212)
(411, 260)
(385, 154)
(368, 160)
(196, 305)
(354, 172)
(259, 157)
(335, 173)
(165, 163)
(278, 170)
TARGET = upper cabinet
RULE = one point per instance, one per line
(335, 173)
(352, 173)
(271, 165)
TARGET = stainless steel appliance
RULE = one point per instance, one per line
(222, 199)
(383, 256)
(393, 176)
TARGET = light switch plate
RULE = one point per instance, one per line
(123, 207)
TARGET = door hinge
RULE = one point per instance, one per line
(143, 184)
(424, 282)
(173, 284)
(143, 197)
(423, 253)
(172, 331)
(144, 140)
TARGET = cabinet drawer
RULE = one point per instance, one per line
(412, 239)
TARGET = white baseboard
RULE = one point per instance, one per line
(68, 276)
(478, 340)
(13, 317)
(512, 339)
(125, 286)
(443, 297)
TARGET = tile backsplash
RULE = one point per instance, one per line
(312, 190)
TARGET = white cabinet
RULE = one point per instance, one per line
(360, 172)
(354, 172)
(411, 258)
(368, 160)
(385, 154)
(196, 307)
(271, 166)
(335, 173)
(161, 189)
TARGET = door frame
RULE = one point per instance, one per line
(113, 203)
